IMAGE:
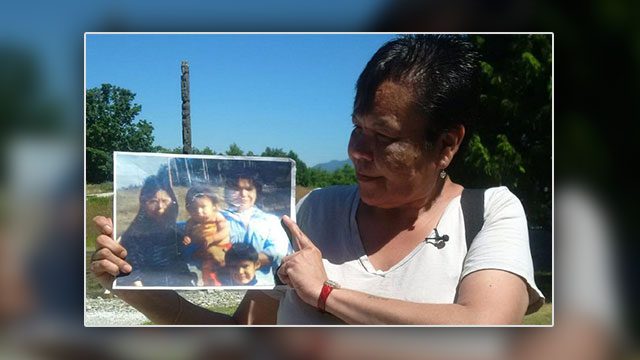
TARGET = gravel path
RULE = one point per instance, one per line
(111, 311)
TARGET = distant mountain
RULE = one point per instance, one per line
(332, 165)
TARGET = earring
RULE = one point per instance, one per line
(443, 174)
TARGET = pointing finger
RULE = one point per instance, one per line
(302, 241)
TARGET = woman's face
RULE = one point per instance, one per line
(244, 194)
(387, 147)
(158, 205)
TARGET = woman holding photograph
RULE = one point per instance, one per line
(366, 253)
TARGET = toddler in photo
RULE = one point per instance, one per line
(203, 207)
(241, 265)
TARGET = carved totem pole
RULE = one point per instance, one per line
(186, 109)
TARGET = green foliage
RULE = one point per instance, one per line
(96, 206)
(112, 126)
(302, 174)
(164, 150)
(275, 152)
(207, 151)
(234, 150)
(345, 175)
(178, 150)
(312, 177)
(321, 178)
(510, 143)
(318, 178)
(505, 164)
(99, 165)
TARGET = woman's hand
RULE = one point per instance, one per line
(108, 259)
(160, 306)
(303, 270)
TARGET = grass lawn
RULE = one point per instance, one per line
(301, 191)
(541, 317)
(94, 289)
(99, 188)
(96, 206)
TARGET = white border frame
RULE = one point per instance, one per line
(553, 232)
(168, 156)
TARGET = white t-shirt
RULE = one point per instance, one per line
(427, 274)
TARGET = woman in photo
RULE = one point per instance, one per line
(151, 239)
(248, 224)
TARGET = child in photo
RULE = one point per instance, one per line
(203, 207)
(241, 265)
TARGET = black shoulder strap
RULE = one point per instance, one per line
(472, 202)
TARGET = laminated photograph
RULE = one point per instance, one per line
(202, 222)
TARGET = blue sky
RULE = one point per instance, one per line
(289, 91)
(131, 170)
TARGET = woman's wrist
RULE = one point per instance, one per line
(326, 291)
(313, 294)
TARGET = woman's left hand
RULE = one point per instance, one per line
(303, 270)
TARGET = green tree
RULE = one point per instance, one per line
(206, 151)
(234, 150)
(510, 143)
(112, 126)
(275, 152)
(302, 172)
(319, 178)
(344, 176)
(178, 150)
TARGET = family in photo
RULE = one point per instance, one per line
(227, 239)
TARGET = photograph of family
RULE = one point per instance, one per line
(199, 222)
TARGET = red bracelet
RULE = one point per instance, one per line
(327, 288)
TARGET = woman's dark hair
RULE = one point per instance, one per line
(440, 70)
(251, 176)
(241, 252)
